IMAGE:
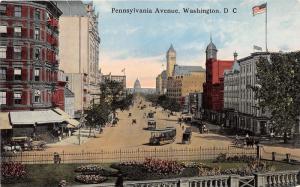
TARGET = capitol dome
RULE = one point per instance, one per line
(137, 85)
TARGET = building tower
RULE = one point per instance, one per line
(171, 60)
(211, 50)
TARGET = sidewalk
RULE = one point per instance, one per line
(74, 139)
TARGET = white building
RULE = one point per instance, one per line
(69, 102)
(79, 50)
(240, 106)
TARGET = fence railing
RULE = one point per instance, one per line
(122, 155)
(271, 179)
(274, 156)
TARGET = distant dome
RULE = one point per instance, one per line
(137, 85)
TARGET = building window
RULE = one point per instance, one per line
(17, 52)
(37, 53)
(3, 51)
(17, 97)
(3, 74)
(37, 15)
(2, 10)
(37, 33)
(18, 10)
(18, 31)
(17, 73)
(37, 96)
(2, 98)
(37, 74)
(3, 30)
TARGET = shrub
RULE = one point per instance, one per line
(12, 171)
(224, 158)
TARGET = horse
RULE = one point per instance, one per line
(250, 142)
(133, 121)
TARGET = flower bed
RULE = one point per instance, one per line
(150, 169)
(12, 172)
(243, 158)
(96, 170)
(90, 179)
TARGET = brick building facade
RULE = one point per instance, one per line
(213, 88)
(28, 55)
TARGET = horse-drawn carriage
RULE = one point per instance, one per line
(186, 136)
(163, 136)
(245, 142)
(151, 124)
(24, 144)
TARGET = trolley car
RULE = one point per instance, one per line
(163, 136)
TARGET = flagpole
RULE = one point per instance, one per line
(266, 28)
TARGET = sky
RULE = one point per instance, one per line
(138, 42)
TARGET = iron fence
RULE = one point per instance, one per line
(124, 155)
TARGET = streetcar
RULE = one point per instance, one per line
(151, 124)
(163, 136)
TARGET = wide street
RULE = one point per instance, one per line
(126, 135)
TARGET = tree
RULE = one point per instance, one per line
(97, 114)
(114, 93)
(112, 98)
(168, 103)
(278, 89)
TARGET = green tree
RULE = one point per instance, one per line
(278, 89)
(112, 97)
(114, 93)
(97, 114)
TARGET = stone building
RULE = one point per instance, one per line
(161, 83)
(185, 80)
(251, 117)
(213, 88)
(162, 78)
(240, 106)
(79, 55)
(178, 81)
(117, 78)
(232, 94)
(28, 54)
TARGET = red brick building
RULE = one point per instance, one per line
(213, 88)
(28, 55)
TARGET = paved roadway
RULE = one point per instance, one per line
(126, 136)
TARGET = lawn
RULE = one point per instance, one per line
(49, 175)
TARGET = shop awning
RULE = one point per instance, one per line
(4, 121)
(35, 117)
(72, 123)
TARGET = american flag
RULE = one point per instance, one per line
(259, 9)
